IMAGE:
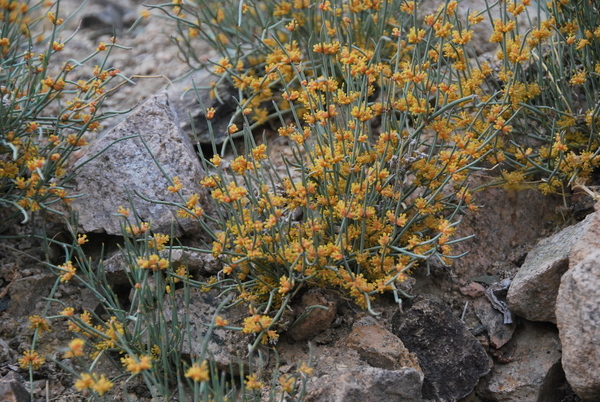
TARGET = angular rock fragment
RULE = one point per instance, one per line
(126, 161)
(533, 291)
(316, 312)
(493, 320)
(367, 384)
(380, 348)
(451, 358)
(578, 320)
(525, 364)
(12, 390)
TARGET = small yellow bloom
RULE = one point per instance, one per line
(39, 323)
(84, 382)
(68, 311)
(198, 373)
(305, 369)
(75, 348)
(102, 386)
(252, 382)
(137, 365)
(67, 271)
(31, 359)
(82, 239)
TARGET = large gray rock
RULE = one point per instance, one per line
(527, 367)
(589, 241)
(451, 358)
(125, 161)
(367, 384)
(533, 291)
(578, 320)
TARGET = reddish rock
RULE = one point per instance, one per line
(473, 290)
(313, 319)
(380, 348)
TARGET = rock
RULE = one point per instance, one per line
(316, 319)
(589, 240)
(26, 292)
(473, 290)
(533, 291)
(195, 261)
(380, 348)
(529, 367)
(118, 165)
(507, 221)
(578, 320)
(450, 356)
(103, 17)
(12, 390)
(493, 321)
(224, 345)
(367, 384)
(191, 112)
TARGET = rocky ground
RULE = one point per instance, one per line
(514, 320)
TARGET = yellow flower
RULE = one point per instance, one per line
(31, 359)
(84, 382)
(68, 311)
(75, 348)
(198, 373)
(82, 239)
(102, 385)
(305, 369)
(136, 365)
(39, 323)
(67, 271)
(252, 382)
(177, 185)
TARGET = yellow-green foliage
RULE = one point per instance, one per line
(43, 114)
(387, 111)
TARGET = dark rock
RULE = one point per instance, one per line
(450, 356)
(367, 384)
(190, 111)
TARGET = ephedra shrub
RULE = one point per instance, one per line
(44, 114)
(387, 112)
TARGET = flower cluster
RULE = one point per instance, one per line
(44, 115)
